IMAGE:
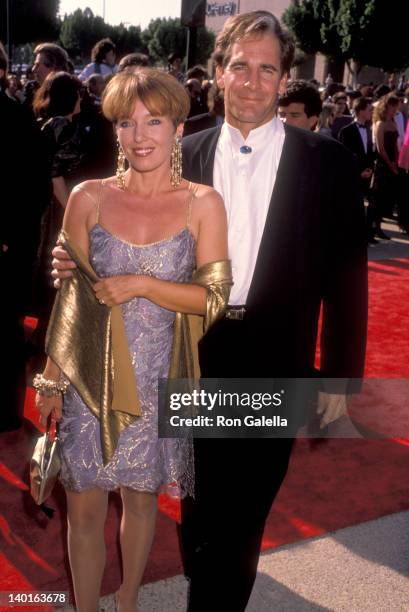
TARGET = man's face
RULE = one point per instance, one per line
(110, 58)
(367, 113)
(251, 81)
(294, 114)
(340, 105)
(40, 69)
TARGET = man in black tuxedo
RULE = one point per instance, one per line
(296, 240)
(357, 137)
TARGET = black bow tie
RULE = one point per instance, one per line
(361, 125)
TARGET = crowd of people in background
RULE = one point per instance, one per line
(60, 106)
(373, 123)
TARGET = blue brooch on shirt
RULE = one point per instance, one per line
(245, 149)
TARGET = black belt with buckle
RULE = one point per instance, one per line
(236, 313)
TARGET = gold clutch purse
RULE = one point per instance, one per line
(45, 465)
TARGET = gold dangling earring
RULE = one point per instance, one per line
(176, 162)
(120, 169)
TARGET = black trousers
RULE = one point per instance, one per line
(236, 482)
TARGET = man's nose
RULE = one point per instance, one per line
(253, 79)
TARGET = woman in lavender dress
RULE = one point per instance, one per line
(144, 232)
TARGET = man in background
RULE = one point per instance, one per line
(300, 105)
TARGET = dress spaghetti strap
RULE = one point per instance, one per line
(192, 195)
(101, 185)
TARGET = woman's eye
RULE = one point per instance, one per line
(125, 123)
(154, 122)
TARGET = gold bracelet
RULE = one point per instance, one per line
(49, 387)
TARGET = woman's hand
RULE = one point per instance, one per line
(119, 289)
(49, 405)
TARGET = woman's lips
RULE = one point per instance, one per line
(142, 151)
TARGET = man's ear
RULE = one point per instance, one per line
(220, 77)
(2, 73)
(312, 121)
(283, 84)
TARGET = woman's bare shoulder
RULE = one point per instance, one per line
(90, 189)
(207, 197)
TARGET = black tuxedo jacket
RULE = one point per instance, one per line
(313, 250)
(199, 123)
(351, 139)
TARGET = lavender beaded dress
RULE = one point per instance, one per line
(141, 461)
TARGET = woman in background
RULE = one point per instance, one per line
(385, 183)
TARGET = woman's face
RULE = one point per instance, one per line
(146, 139)
(391, 110)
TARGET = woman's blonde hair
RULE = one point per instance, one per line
(380, 109)
(159, 91)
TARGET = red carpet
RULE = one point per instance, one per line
(330, 485)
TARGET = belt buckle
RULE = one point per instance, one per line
(236, 314)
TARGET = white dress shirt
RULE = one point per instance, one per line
(91, 68)
(246, 181)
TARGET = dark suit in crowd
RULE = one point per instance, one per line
(26, 190)
(313, 251)
(351, 138)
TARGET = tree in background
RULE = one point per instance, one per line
(82, 29)
(165, 36)
(31, 21)
(359, 32)
(36, 21)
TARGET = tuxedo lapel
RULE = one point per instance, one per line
(359, 139)
(198, 156)
(208, 154)
(280, 211)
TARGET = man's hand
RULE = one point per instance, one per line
(62, 264)
(331, 406)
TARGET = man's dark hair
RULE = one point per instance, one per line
(381, 90)
(55, 57)
(361, 104)
(100, 49)
(57, 96)
(197, 72)
(251, 24)
(133, 59)
(302, 92)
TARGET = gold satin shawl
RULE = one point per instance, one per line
(87, 341)
(216, 276)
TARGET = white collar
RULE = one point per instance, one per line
(257, 139)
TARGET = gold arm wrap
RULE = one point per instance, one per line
(216, 276)
(87, 341)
